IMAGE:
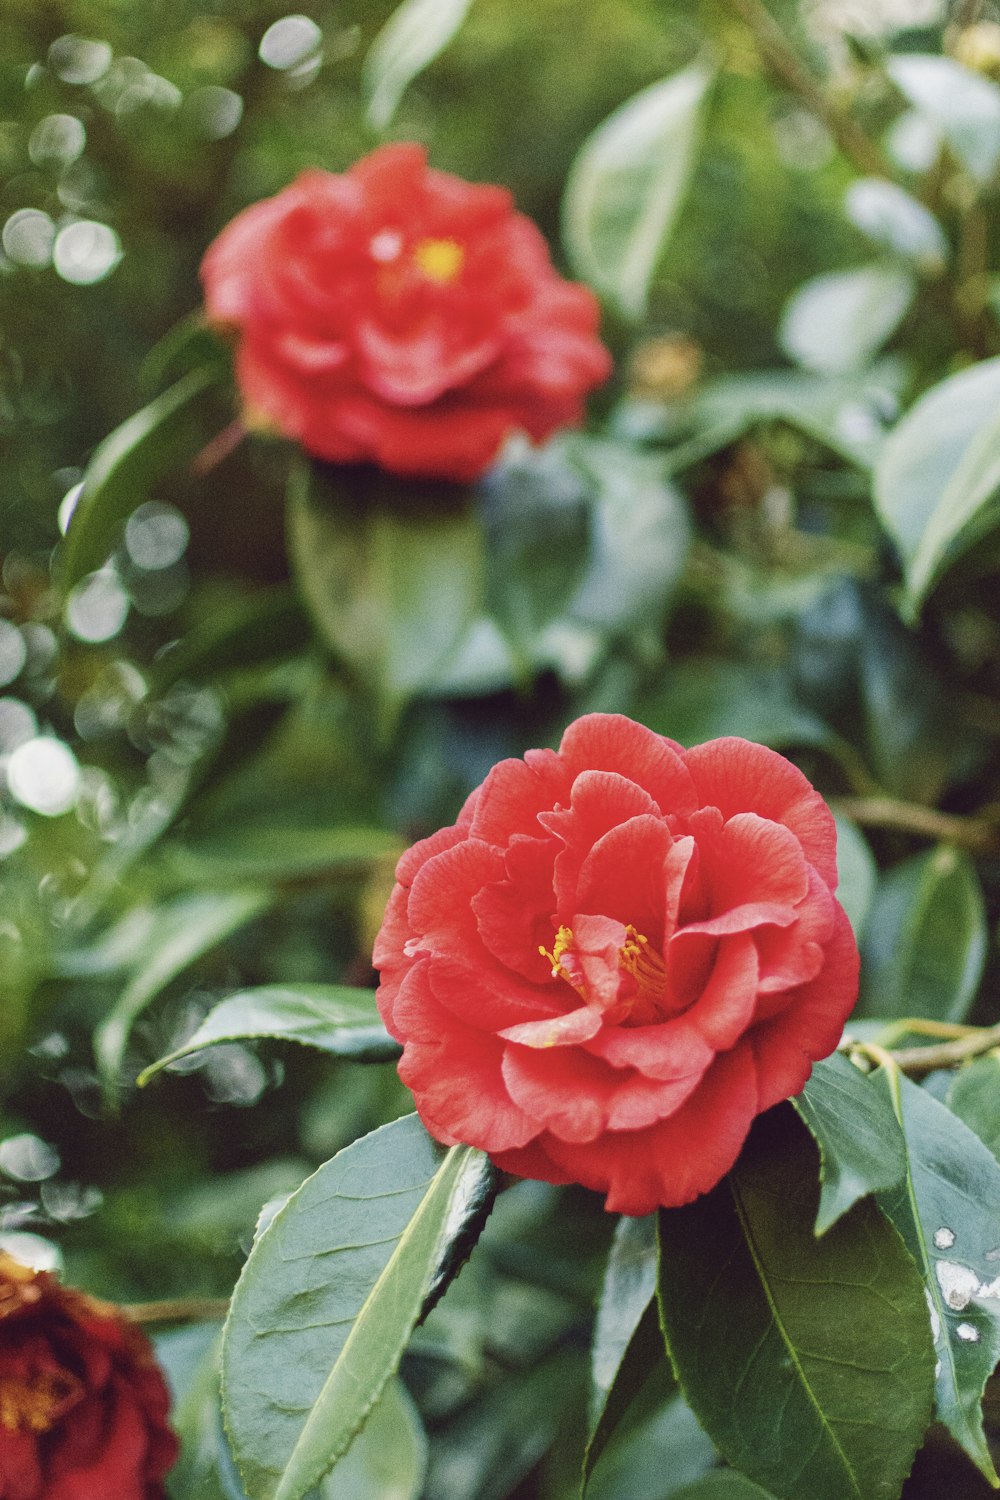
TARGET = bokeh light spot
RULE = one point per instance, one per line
(86, 252)
(43, 775)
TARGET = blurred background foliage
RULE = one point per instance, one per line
(200, 796)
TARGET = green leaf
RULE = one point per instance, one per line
(948, 1212)
(238, 632)
(834, 323)
(269, 853)
(938, 470)
(392, 573)
(724, 1484)
(332, 1017)
(659, 1447)
(974, 1096)
(703, 698)
(166, 434)
(388, 1458)
(184, 931)
(892, 217)
(640, 534)
(962, 104)
(762, 1318)
(331, 1292)
(857, 870)
(925, 940)
(861, 1148)
(626, 1339)
(415, 34)
(626, 186)
(536, 520)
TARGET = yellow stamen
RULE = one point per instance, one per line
(564, 941)
(440, 260)
(35, 1405)
(643, 963)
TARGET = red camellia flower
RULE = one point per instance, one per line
(83, 1406)
(618, 956)
(395, 314)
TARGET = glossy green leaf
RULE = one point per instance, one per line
(948, 1212)
(723, 1484)
(166, 434)
(183, 932)
(925, 940)
(270, 853)
(415, 34)
(388, 1458)
(861, 1148)
(331, 1292)
(626, 1339)
(761, 1317)
(626, 187)
(962, 105)
(938, 471)
(974, 1096)
(393, 577)
(857, 871)
(332, 1017)
(834, 323)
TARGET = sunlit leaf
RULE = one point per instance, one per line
(184, 931)
(948, 1212)
(938, 471)
(761, 1317)
(861, 1147)
(962, 104)
(627, 184)
(415, 34)
(166, 434)
(925, 940)
(834, 323)
(331, 1292)
(892, 217)
(331, 1017)
(388, 1457)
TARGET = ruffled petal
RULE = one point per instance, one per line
(515, 915)
(624, 876)
(577, 1097)
(728, 1003)
(611, 742)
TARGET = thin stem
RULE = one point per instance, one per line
(788, 68)
(917, 1062)
(181, 1310)
(975, 834)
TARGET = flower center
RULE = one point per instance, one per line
(641, 976)
(440, 260)
(645, 965)
(36, 1404)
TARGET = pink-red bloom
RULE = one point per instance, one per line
(618, 956)
(396, 314)
(83, 1405)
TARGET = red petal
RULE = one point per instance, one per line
(489, 1000)
(611, 742)
(811, 1025)
(515, 792)
(737, 776)
(671, 1050)
(791, 956)
(624, 876)
(599, 801)
(567, 1030)
(577, 1097)
(440, 906)
(728, 1003)
(748, 860)
(676, 1159)
(514, 915)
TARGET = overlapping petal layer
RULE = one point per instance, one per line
(396, 314)
(619, 956)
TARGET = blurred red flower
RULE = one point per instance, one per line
(83, 1405)
(620, 954)
(395, 314)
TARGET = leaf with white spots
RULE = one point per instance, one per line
(948, 1212)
